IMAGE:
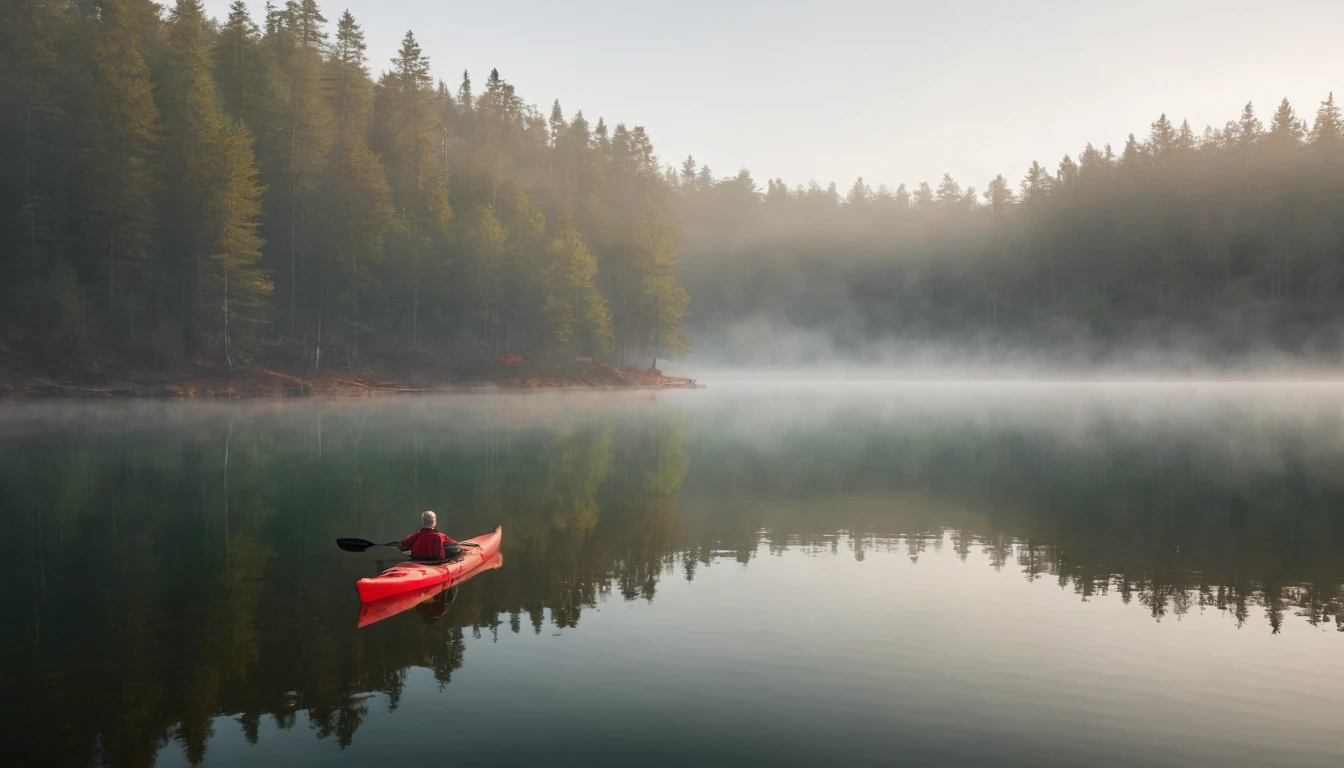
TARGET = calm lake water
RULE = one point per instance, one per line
(858, 573)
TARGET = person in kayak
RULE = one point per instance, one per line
(429, 544)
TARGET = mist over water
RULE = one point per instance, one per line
(1025, 573)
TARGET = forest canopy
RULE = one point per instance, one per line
(228, 190)
(1219, 248)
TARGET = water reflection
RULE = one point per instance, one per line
(177, 567)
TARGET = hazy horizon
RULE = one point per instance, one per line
(914, 91)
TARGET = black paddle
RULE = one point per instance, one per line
(359, 545)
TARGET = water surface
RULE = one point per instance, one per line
(862, 572)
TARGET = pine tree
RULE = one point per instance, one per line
(662, 300)
(1000, 196)
(688, 173)
(308, 21)
(42, 62)
(1134, 157)
(949, 192)
(1067, 174)
(578, 321)
(120, 157)
(1036, 184)
(704, 180)
(192, 121)
(351, 91)
(1285, 130)
(1249, 129)
(464, 98)
(293, 142)
(355, 209)
(1162, 139)
(237, 67)
(484, 238)
(902, 198)
(861, 194)
(557, 122)
(601, 142)
(1328, 129)
(417, 170)
(356, 214)
(1185, 138)
(236, 291)
(923, 199)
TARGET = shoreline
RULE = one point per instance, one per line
(263, 383)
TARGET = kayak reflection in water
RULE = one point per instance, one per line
(429, 544)
(434, 608)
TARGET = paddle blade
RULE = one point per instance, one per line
(359, 545)
(355, 545)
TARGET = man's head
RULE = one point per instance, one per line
(428, 520)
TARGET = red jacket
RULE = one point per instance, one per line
(426, 544)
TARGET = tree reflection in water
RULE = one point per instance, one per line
(178, 571)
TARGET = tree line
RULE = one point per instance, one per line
(1224, 246)
(176, 185)
(186, 187)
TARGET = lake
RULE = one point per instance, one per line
(857, 572)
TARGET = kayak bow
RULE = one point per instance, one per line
(411, 575)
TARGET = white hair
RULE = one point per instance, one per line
(428, 519)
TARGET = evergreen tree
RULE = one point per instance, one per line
(1036, 184)
(293, 141)
(1249, 129)
(464, 99)
(1286, 129)
(688, 173)
(120, 170)
(949, 192)
(237, 64)
(1000, 196)
(923, 199)
(417, 168)
(1185, 138)
(861, 194)
(192, 121)
(1134, 157)
(348, 79)
(42, 61)
(1067, 174)
(557, 122)
(355, 210)
(1163, 138)
(579, 323)
(308, 22)
(236, 291)
(1328, 129)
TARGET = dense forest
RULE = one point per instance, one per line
(1220, 246)
(178, 188)
(183, 188)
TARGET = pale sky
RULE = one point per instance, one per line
(892, 91)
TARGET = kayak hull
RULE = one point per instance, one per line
(412, 576)
(387, 607)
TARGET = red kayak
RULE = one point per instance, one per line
(391, 605)
(412, 576)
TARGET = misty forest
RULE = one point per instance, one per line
(175, 187)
